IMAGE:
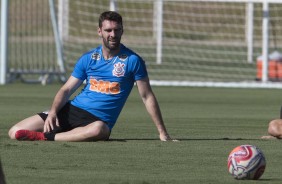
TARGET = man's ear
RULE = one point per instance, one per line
(99, 32)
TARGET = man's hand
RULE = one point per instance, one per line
(166, 137)
(51, 122)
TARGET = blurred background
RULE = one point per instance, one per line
(183, 42)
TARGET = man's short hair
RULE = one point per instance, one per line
(110, 15)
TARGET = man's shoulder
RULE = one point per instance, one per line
(130, 53)
(127, 50)
(93, 50)
(91, 54)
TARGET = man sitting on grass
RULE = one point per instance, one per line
(110, 72)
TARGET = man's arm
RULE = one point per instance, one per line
(60, 100)
(152, 107)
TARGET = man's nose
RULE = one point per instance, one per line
(112, 33)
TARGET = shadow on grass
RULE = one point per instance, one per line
(180, 139)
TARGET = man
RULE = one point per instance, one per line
(110, 72)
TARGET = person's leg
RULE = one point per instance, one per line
(33, 123)
(275, 128)
(75, 125)
(95, 131)
(2, 176)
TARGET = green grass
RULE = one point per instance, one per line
(209, 122)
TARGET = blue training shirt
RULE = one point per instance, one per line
(108, 82)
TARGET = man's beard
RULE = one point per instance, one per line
(110, 45)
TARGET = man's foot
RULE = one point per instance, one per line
(27, 135)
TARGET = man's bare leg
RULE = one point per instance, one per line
(34, 123)
(95, 131)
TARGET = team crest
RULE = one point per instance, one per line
(122, 57)
(96, 56)
(118, 70)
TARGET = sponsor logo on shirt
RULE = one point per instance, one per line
(118, 70)
(106, 87)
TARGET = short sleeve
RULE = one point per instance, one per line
(140, 70)
(80, 68)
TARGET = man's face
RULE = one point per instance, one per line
(111, 33)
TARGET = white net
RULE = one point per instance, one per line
(32, 52)
(201, 41)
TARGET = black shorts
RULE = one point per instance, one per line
(71, 117)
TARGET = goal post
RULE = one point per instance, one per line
(58, 44)
(34, 51)
(4, 41)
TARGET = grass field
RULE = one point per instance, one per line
(209, 122)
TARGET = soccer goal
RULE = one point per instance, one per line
(30, 44)
(224, 43)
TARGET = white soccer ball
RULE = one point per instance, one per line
(246, 162)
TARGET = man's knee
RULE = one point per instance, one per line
(98, 131)
(275, 128)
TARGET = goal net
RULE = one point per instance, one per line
(32, 51)
(191, 43)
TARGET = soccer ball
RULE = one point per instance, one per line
(246, 162)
